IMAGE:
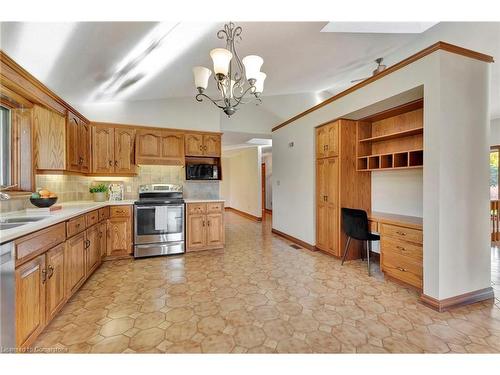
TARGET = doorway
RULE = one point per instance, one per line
(263, 189)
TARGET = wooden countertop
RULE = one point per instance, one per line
(395, 219)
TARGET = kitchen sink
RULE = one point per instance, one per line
(23, 219)
(10, 225)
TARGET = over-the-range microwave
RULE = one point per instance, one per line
(202, 172)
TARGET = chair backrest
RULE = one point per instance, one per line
(355, 223)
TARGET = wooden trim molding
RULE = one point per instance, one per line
(294, 240)
(461, 300)
(417, 56)
(244, 214)
(151, 128)
(268, 211)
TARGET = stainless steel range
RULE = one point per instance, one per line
(159, 220)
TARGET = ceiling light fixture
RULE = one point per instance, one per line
(230, 73)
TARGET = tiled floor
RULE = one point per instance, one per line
(259, 295)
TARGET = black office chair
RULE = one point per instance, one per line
(355, 225)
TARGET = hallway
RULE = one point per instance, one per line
(259, 295)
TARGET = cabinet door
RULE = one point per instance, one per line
(119, 241)
(92, 249)
(321, 142)
(55, 293)
(332, 198)
(102, 239)
(148, 146)
(30, 300)
(74, 263)
(72, 147)
(321, 204)
(84, 147)
(215, 230)
(124, 150)
(211, 145)
(103, 149)
(194, 144)
(172, 147)
(49, 139)
(332, 147)
(196, 235)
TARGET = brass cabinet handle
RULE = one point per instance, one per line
(400, 248)
(402, 269)
(401, 233)
(116, 163)
(326, 198)
(201, 148)
(110, 163)
(208, 223)
(326, 147)
(44, 276)
(203, 222)
(51, 271)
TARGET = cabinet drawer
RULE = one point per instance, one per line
(197, 208)
(403, 268)
(75, 226)
(91, 218)
(406, 234)
(38, 242)
(215, 207)
(120, 211)
(397, 246)
(103, 213)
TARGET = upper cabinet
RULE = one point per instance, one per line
(113, 150)
(160, 147)
(49, 139)
(327, 141)
(78, 144)
(199, 144)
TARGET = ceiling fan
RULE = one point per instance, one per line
(380, 68)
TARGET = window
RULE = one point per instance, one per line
(5, 147)
(494, 158)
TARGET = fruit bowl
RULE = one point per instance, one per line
(43, 202)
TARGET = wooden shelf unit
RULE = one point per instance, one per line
(392, 139)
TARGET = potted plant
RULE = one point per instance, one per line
(99, 192)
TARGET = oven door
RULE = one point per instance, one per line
(147, 231)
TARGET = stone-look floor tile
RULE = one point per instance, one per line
(258, 295)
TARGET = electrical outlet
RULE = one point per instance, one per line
(129, 189)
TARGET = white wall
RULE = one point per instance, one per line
(241, 180)
(495, 132)
(179, 113)
(455, 176)
(398, 192)
(249, 118)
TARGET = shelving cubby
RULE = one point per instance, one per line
(392, 139)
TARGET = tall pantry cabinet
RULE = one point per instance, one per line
(338, 185)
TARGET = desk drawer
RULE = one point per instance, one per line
(197, 208)
(400, 247)
(91, 218)
(403, 268)
(75, 226)
(215, 207)
(401, 233)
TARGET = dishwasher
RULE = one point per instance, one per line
(7, 298)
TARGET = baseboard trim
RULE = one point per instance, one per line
(244, 214)
(294, 240)
(457, 301)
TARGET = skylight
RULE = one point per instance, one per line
(377, 27)
(260, 141)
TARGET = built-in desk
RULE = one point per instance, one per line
(401, 246)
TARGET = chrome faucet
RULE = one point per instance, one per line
(5, 196)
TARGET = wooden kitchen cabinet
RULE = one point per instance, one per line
(30, 300)
(205, 226)
(113, 150)
(55, 292)
(119, 232)
(198, 144)
(92, 249)
(102, 239)
(74, 263)
(49, 139)
(159, 147)
(77, 144)
(327, 140)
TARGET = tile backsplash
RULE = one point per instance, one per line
(76, 188)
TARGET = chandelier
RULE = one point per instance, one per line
(230, 73)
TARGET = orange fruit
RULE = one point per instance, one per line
(52, 195)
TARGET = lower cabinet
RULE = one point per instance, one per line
(74, 263)
(205, 226)
(119, 232)
(54, 289)
(92, 249)
(102, 239)
(30, 300)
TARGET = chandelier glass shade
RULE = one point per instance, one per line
(239, 81)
